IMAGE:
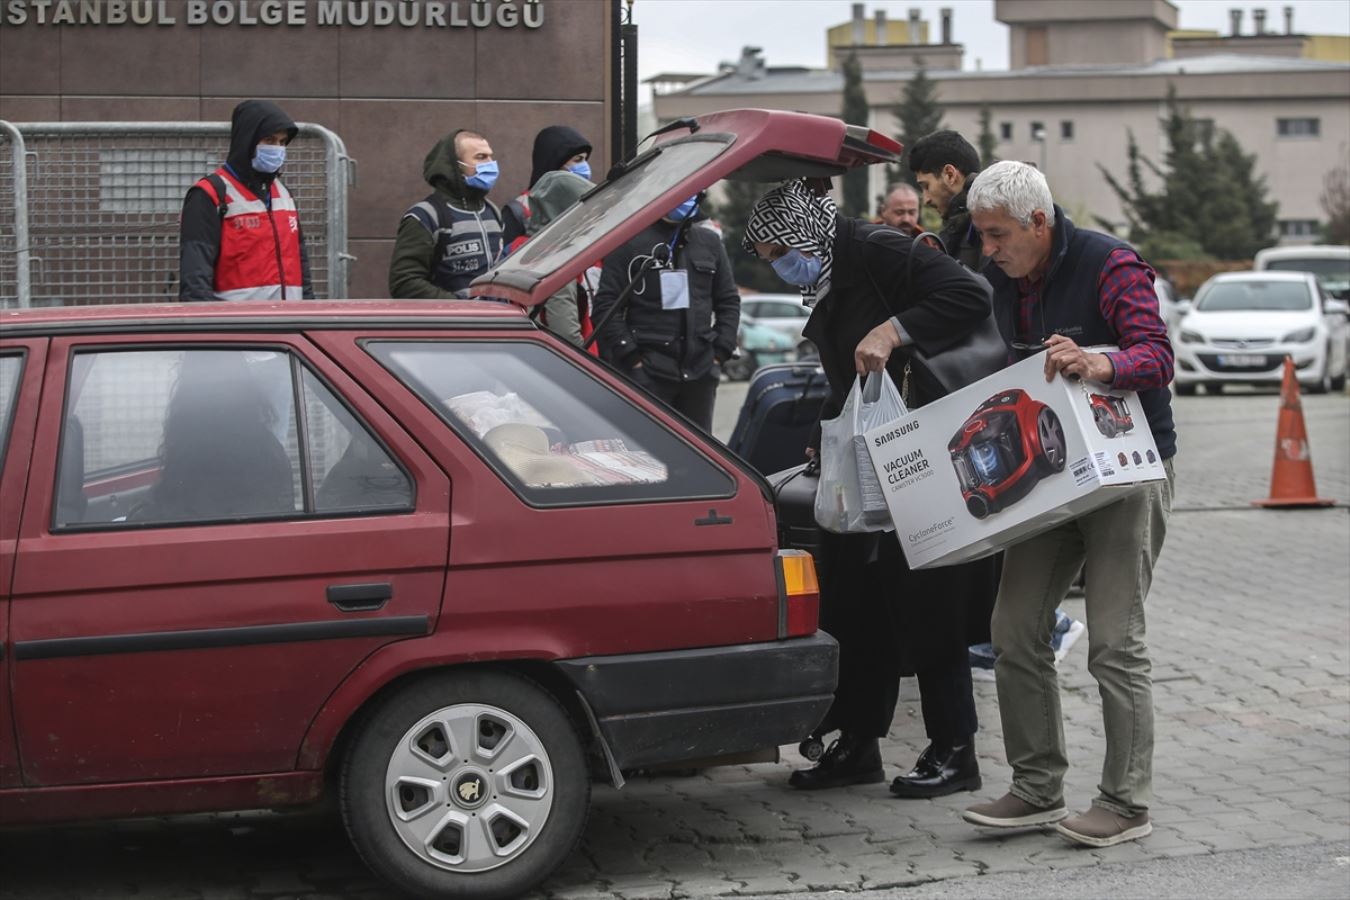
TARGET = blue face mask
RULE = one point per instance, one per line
(796, 268)
(269, 158)
(582, 168)
(684, 210)
(484, 175)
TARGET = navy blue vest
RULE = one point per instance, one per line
(468, 243)
(1070, 305)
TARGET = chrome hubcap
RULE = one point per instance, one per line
(469, 787)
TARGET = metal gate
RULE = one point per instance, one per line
(89, 210)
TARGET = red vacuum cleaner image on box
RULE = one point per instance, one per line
(1007, 445)
(1111, 414)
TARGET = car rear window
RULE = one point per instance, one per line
(200, 435)
(1242, 296)
(556, 435)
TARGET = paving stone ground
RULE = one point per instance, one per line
(1249, 628)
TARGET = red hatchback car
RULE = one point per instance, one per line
(427, 556)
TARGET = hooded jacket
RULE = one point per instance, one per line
(553, 146)
(201, 221)
(454, 218)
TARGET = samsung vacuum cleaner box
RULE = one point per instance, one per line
(1007, 458)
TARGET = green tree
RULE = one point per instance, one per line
(987, 142)
(733, 212)
(919, 114)
(1335, 202)
(855, 113)
(1211, 202)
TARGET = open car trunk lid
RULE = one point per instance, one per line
(739, 144)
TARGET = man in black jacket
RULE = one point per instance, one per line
(679, 325)
(945, 164)
(555, 147)
(264, 254)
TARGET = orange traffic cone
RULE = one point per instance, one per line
(1291, 480)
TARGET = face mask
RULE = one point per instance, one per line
(797, 269)
(269, 158)
(684, 210)
(582, 168)
(484, 176)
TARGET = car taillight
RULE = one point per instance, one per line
(798, 594)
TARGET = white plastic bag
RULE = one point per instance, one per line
(849, 497)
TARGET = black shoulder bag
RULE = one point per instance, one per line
(979, 354)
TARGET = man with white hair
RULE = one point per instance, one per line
(1060, 288)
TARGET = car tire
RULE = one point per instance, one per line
(1214, 387)
(740, 368)
(1338, 383)
(1323, 384)
(1185, 390)
(470, 785)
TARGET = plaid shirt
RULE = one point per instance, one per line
(1130, 306)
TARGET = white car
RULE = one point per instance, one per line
(1242, 325)
(1330, 263)
(783, 312)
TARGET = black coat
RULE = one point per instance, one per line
(944, 609)
(672, 345)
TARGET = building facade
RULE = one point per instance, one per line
(1078, 88)
(391, 78)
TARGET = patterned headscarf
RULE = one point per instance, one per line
(795, 216)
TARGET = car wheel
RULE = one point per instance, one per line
(1050, 433)
(741, 368)
(807, 350)
(1338, 383)
(469, 785)
(1184, 390)
(1214, 387)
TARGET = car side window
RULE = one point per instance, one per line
(556, 435)
(348, 468)
(180, 436)
(10, 367)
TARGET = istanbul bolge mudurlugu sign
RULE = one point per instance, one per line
(350, 13)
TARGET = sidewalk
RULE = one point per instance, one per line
(1249, 626)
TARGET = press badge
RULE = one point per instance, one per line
(675, 289)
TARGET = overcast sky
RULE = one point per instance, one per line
(695, 35)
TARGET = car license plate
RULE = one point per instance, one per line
(1243, 360)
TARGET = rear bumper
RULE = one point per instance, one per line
(667, 707)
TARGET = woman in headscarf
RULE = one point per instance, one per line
(889, 621)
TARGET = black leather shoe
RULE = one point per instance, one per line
(940, 772)
(850, 760)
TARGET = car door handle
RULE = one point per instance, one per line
(360, 597)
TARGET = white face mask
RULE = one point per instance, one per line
(269, 158)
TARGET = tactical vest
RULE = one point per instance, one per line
(468, 243)
(259, 257)
(1070, 305)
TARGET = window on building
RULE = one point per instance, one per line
(1302, 127)
(1204, 130)
(1066, 130)
(1037, 131)
(1299, 228)
(1005, 131)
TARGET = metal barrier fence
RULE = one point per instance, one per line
(89, 210)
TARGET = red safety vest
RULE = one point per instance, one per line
(259, 250)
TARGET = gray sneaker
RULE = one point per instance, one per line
(1010, 811)
(1099, 827)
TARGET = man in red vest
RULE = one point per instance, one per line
(240, 237)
